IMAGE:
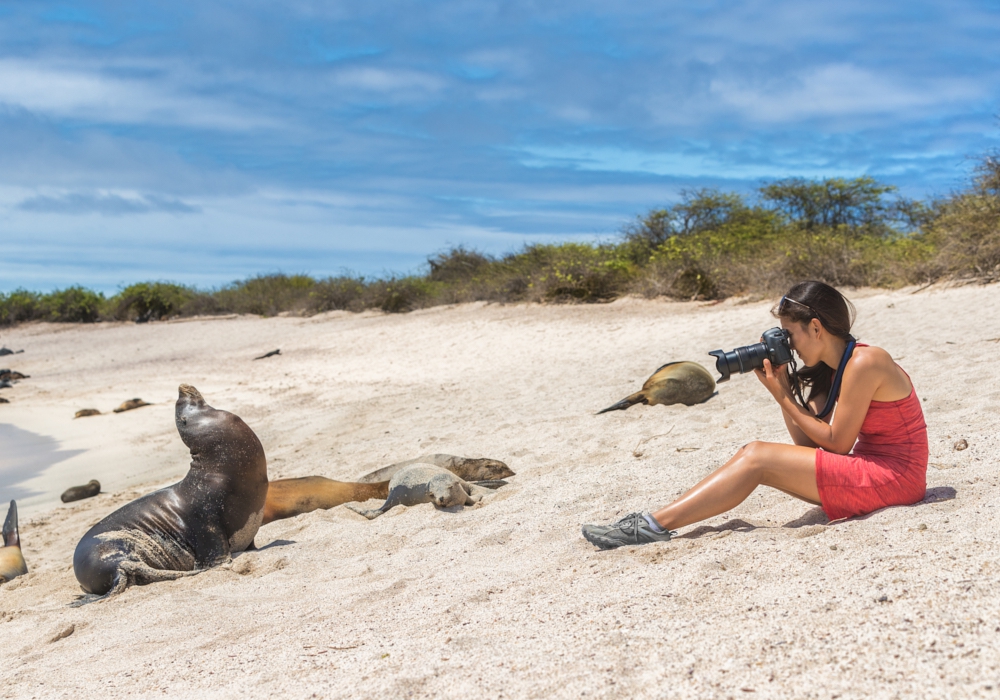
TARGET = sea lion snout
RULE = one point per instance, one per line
(186, 390)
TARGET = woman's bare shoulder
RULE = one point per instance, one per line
(872, 357)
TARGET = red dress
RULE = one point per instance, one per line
(887, 467)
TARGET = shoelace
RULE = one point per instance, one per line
(631, 521)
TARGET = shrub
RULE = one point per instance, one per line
(72, 305)
(150, 301)
(266, 295)
(19, 306)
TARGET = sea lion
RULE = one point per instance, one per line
(11, 560)
(467, 468)
(675, 382)
(3, 400)
(195, 524)
(10, 375)
(8, 351)
(4, 384)
(426, 483)
(287, 498)
(84, 412)
(78, 493)
(130, 404)
(269, 354)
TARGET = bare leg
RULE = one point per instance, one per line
(788, 468)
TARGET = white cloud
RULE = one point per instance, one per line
(838, 90)
(59, 91)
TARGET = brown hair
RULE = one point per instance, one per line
(804, 302)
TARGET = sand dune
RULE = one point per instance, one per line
(505, 599)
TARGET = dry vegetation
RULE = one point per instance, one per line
(711, 245)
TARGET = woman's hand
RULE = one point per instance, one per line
(775, 381)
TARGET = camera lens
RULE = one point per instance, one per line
(739, 360)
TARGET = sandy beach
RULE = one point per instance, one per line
(505, 599)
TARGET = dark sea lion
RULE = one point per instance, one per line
(287, 498)
(467, 468)
(269, 354)
(130, 404)
(78, 493)
(8, 351)
(84, 412)
(4, 384)
(426, 483)
(676, 382)
(195, 524)
(11, 560)
(10, 375)
(3, 400)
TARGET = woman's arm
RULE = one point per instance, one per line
(862, 377)
(798, 437)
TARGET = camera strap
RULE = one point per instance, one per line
(834, 394)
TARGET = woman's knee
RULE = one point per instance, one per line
(753, 457)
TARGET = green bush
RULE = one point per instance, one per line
(151, 301)
(19, 306)
(72, 305)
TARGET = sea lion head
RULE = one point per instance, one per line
(446, 490)
(215, 438)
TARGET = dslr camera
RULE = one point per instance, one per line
(773, 346)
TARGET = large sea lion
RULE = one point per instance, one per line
(426, 483)
(676, 382)
(468, 468)
(195, 524)
(11, 560)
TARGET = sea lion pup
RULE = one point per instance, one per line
(426, 483)
(466, 468)
(130, 404)
(195, 524)
(287, 498)
(11, 560)
(675, 382)
(84, 412)
(78, 493)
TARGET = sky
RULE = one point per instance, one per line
(204, 142)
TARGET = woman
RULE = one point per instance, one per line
(877, 408)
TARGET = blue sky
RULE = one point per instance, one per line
(205, 142)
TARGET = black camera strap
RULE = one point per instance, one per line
(834, 394)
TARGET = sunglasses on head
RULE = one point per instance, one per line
(785, 301)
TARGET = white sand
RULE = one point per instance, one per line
(506, 599)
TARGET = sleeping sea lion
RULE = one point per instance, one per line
(11, 560)
(675, 382)
(287, 498)
(84, 412)
(467, 468)
(3, 400)
(78, 493)
(426, 483)
(130, 404)
(195, 524)
(10, 375)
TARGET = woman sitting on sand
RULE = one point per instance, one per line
(877, 407)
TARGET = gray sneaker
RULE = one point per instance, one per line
(632, 529)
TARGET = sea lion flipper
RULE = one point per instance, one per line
(370, 513)
(632, 400)
(11, 538)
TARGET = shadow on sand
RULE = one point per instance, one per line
(814, 516)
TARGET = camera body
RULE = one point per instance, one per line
(774, 346)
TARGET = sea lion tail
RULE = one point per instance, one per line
(637, 397)
(11, 538)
